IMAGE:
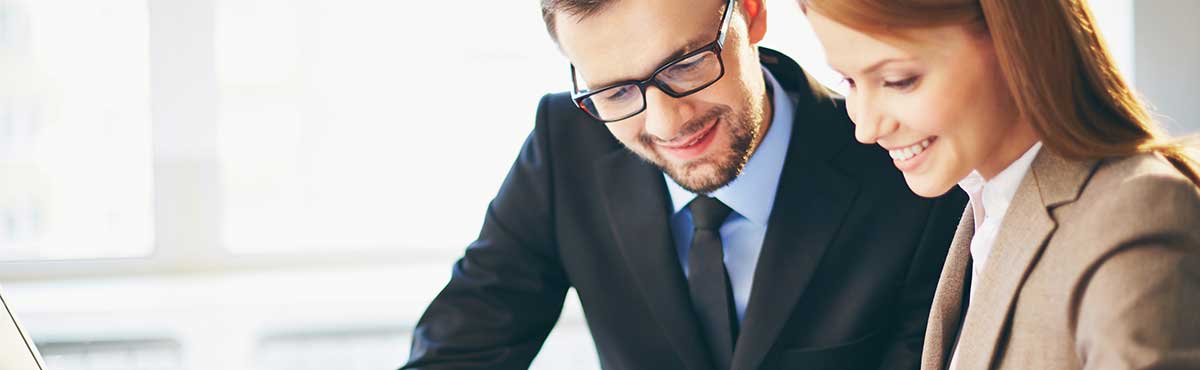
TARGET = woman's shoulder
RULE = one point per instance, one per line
(1134, 230)
(1131, 178)
(1151, 167)
(1140, 194)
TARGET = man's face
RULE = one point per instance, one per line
(702, 140)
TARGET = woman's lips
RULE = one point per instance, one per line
(910, 157)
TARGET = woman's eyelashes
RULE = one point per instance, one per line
(901, 84)
(891, 84)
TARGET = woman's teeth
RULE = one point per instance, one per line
(910, 151)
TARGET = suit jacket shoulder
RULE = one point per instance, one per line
(1131, 201)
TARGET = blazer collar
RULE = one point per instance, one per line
(1061, 180)
(1053, 181)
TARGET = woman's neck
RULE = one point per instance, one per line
(1012, 146)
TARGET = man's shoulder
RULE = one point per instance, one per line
(557, 108)
(559, 104)
(568, 130)
(824, 128)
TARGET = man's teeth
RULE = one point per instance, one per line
(909, 152)
(694, 140)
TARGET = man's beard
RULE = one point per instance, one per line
(707, 174)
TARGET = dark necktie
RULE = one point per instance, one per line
(708, 283)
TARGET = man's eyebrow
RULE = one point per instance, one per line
(690, 46)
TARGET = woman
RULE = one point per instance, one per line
(1081, 246)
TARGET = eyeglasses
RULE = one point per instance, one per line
(678, 78)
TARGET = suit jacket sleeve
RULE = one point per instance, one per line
(911, 315)
(506, 293)
(1138, 307)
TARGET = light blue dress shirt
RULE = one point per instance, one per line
(751, 196)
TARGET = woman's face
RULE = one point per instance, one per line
(935, 99)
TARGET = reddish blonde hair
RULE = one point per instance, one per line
(1055, 62)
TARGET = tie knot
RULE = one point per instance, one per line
(708, 213)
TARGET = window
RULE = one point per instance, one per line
(75, 159)
(112, 355)
(349, 350)
(352, 124)
(570, 347)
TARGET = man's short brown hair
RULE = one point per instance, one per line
(575, 8)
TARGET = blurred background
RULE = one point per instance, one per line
(285, 184)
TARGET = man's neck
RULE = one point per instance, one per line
(768, 115)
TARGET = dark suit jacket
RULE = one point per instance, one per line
(845, 279)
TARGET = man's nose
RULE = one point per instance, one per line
(665, 115)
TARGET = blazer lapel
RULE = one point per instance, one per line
(946, 312)
(638, 211)
(1052, 181)
(811, 203)
(806, 216)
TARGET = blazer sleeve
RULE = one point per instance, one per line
(911, 314)
(1138, 307)
(506, 292)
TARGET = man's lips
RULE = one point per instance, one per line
(694, 146)
(690, 140)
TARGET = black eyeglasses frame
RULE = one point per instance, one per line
(716, 46)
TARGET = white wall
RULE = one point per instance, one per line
(1167, 54)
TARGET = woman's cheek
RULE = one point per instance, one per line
(927, 112)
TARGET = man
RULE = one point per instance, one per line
(706, 201)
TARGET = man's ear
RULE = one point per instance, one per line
(756, 19)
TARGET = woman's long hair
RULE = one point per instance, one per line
(1055, 63)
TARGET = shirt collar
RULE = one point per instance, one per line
(991, 198)
(752, 194)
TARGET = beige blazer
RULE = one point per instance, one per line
(1096, 266)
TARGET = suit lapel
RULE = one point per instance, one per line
(638, 210)
(1023, 233)
(805, 219)
(947, 302)
(812, 201)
